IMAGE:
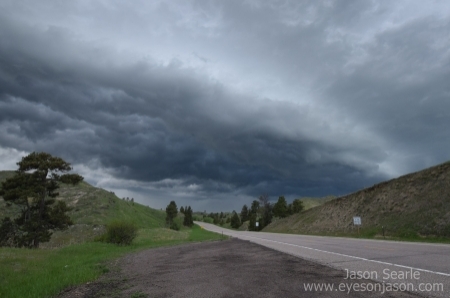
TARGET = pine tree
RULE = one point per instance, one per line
(290, 211)
(235, 221)
(171, 212)
(280, 208)
(266, 211)
(33, 188)
(255, 207)
(188, 221)
(244, 213)
(297, 206)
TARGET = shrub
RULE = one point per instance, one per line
(208, 220)
(175, 226)
(120, 233)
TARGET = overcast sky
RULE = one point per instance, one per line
(212, 103)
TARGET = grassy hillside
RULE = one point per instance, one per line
(75, 259)
(314, 202)
(92, 208)
(413, 206)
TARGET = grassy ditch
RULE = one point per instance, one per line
(375, 234)
(45, 272)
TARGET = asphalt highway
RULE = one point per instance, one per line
(423, 268)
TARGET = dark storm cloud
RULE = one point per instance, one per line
(401, 90)
(204, 100)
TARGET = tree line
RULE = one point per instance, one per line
(172, 212)
(259, 214)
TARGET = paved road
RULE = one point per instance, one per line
(420, 266)
(231, 268)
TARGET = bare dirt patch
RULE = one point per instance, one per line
(231, 268)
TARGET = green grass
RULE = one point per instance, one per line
(95, 206)
(45, 272)
(92, 209)
(200, 234)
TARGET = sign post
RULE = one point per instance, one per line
(357, 222)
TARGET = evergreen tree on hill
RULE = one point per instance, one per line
(244, 213)
(255, 207)
(297, 206)
(188, 221)
(171, 212)
(33, 188)
(280, 209)
(235, 221)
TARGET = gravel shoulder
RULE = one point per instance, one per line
(230, 268)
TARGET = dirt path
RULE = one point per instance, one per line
(231, 268)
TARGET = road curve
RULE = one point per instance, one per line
(424, 267)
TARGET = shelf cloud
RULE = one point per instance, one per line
(213, 103)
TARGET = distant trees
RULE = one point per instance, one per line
(252, 222)
(216, 220)
(254, 207)
(33, 189)
(171, 213)
(244, 214)
(280, 209)
(188, 221)
(262, 211)
(289, 210)
(266, 211)
(213, 218)
(253, 215)
(235, 221)
(297, 206)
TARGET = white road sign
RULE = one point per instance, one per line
(356, 220)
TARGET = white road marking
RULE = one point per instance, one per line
(349, 256)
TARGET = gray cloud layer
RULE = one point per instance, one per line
(215, 104)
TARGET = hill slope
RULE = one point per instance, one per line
(309, 203)
(92, 208)
(412, 206)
